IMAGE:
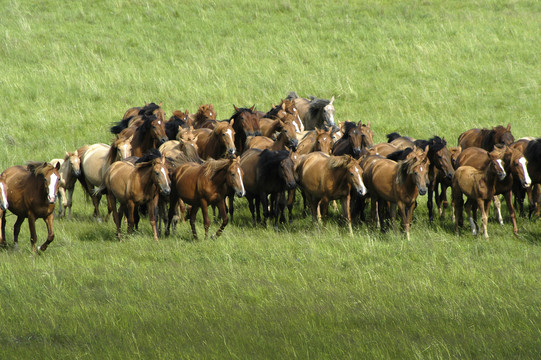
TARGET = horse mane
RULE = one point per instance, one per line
(211, 167)
(149, 109)
(146, 159)
(404, 168)
(316, 105)
(268, 162)
(399, 154)
(392, 136)
(142, 129)
(339, 161)
(348, 125)
(172, 127)
(38, 168)
(121, 125)
(292, 95)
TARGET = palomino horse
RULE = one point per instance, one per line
(355, 139)
(205, 117)
(486, 138)
(398, 183)
(134, 185)
(512, 162)
(246, 124)
(287, 138)
(218, 142)
(324, 178)
(479, 188)
(70, 169)
(314, 113)
(94, 163)
(31, 193)
(316, 140)
(266, 172)
(201, 185)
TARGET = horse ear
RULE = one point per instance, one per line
(252, 108)
(332, 99)
(236, 108)
(57, 166)
(368, 124)
(160, 105)
(425, 153)
(146, 104)
(283, 106)
(231, 122)
(509, 127)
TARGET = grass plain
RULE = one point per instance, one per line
(423, 68)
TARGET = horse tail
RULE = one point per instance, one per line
(292, 95)
(98, 190)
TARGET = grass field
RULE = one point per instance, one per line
(422, 68)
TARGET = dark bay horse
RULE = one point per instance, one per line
(314, 112)
(70, 169)
(324, 178)
(218, 142)
(31, 193)
(176, 122)
(246, 124)
(486, 138)
(316, 140)
(479, 186)
(398, 183)
(201, 185)
(532, 152)
(354, 140)
(205, 117)
(136, 184)
(266, 172)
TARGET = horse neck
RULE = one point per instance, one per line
(200, 118)
(141, 143)
(214, 145)
(406, 182)
(144, 178)
(280, 143)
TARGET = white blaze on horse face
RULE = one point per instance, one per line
(230, 133)
(297, 130)
(52, 187)
(527, 180)
(241, 182)
(165, 177)
(4, 195)
(124, 151)
(360, 179)
(500, 163)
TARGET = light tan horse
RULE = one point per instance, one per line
(70, 169)
(324, 178)
(31, 193)
(136, 184)
(397, 183)
(94, 163)
(201, 185)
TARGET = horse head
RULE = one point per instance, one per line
(289, 131)
(246, 120)
(3, 194)
(440, 156)
(225, 134)
(234, 177)
(418, 166)
(519, 166)
(207, 110)
(355, 175)
(286, 172)
(496, 161)
(502, 135)
(328, 113)
(123, 146)
(74, 162)
(367, 134)
(323, 141)
(50, 176)
(160, 175)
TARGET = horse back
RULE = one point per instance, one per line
(26, 193)
(474, 157)
(380, 178)
(472, 138)
(471, 182)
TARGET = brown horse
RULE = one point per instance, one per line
(355, 139)
(281, 110)
(266, 172)
(245, 122)
(70, 169)
(201, 185)
(479, 188)
(532, 153)
(287, 138)
(149, 135)
(316, 140)
(324, 178)
(398, 183)
(149, 109)
(218, 142)
(205, 117)
(486, 138)
(135, 185)
(31, 193)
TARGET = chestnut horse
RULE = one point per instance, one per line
(201, 185)
(280, 111)
(150, 134)
(70, 169)
(245, 122)
(31, 193)
(148, 109)
(205, 117)
(355, 139)
(316, 140)
(136, 184)
(266, 172)
(314, 113)
(398, 183)
(479, 188)
(486, 138)
(287, 138)
(218, 142)
(325, 177)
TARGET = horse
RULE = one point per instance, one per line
(325, 177)
(217, 142)
(398, 183)
(354, 140)
(280, 111)
(316, 140)
(205, 117)
(479, 188)
(175, 123)
(266, 172)
(531, 148)
(31, 193)
(314, 112)
(134, 185)
(287, 138)
(95, 159)
(246, 124)
(70, 169)
(201, 185)
(148, 135)
(401, 142)
(148, 109)
(486, 138)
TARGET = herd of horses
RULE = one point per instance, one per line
(170, 168)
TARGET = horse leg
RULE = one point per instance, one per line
(2, 229)
(290, 201)
(346, 212)
(70, 201)
(130, 215)
(404, 215)
(231, 198)
(508, 199)
(324, 210)
(152, 217)
(171, 213)
(193, 215)
(62, 202)
(281, 202)
(225, 219)
(392, 214)
(16, 231)
(314, 203)
(111, 206)
(50, 233)
(484, 206)
(458, 205)
(206, 218)
(96, 202)
(472, 218)
(498, 209)
(374, 211)
(264, 200)
(257, 206)
(430, 201)
(251, 199)
(32, 228)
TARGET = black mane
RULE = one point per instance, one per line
(316, 105)
(172, 127)
(399, 154)
(268, 163)
(348, 125)
(141, 131)
(392, 136)
(149, 156)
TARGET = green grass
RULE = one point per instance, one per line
(423, 68)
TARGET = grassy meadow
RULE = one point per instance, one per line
(422, 68)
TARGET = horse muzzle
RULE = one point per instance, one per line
(357, 153)
(290, 185)
(240, 193)
(293, 144)
(4, 206)
(165, 191)
(51, 199)
(231, 152)
(526, 184)
(77, 173)
(422, 190)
